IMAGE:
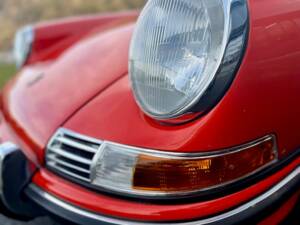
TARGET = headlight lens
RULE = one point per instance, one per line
(176, 51)
(23, 44)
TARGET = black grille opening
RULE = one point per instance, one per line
(71, 155)
(77, 151)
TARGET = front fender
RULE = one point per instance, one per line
(51, 39)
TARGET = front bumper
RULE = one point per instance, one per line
(250, 210)
(22, 196)
(14, 177)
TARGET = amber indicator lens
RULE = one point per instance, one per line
(148, 173)
(159, 174)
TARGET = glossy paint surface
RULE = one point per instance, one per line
(54, 38)
(43, 96)
(86, 89)
(115, 207)
(262, 99)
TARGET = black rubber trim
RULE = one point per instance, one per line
(15, 176)
(201, 196)
(249, 215)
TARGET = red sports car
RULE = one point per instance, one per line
(186, 113)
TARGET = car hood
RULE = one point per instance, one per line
(43, 96)
(87, 90)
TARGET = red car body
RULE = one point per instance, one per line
(76, 77)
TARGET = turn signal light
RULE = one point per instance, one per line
(136, 171)
(174, 175)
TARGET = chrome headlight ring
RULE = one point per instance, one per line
(184, 54)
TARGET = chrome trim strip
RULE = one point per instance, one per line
(176, 155)
(162, 154)
(78, 136)
(59, 152)
(55, 161)
(70, 156)
(58, 168)
(215, 219)
(76, 145)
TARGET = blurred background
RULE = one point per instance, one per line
(17, 13)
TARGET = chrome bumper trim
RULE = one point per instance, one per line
(81, 216)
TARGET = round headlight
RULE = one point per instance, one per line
(176, 52)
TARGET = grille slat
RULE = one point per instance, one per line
(71, 154)
(67, 172)
(77, 145)
(54, 161)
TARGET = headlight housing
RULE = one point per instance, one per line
(184, 54)
(23, 45)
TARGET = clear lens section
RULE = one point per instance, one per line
(22, 46)
(147, 173)
(176, 50)
(113, 167)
